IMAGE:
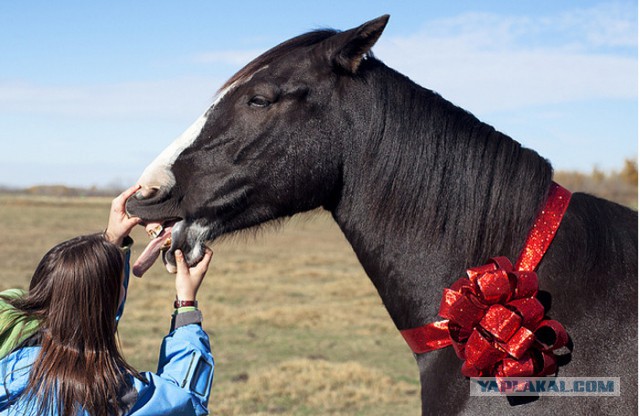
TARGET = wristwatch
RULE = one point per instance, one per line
(182, 303)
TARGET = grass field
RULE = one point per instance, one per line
(296, 326)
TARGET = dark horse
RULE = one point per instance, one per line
(421, 189)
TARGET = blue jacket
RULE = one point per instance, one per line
(181, 386)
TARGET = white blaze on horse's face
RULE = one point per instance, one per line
(158, 174)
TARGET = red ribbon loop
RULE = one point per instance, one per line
(504, 320)
(496, 325)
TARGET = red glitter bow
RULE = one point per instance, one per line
(493, 320)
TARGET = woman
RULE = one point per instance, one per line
(58, 348)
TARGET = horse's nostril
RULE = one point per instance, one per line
(146, 193)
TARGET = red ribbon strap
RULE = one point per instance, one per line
(492, 317)
(545, 228)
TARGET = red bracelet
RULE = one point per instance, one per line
(182, 303)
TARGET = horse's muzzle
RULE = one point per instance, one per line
(153, 205)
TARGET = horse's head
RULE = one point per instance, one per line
(270, 146)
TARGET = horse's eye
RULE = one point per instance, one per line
(259, 101)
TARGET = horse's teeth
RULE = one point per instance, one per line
(154, 230)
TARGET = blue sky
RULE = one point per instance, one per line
(91, 92)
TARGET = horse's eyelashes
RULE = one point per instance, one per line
(259, 101)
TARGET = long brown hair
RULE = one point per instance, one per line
(75, 292)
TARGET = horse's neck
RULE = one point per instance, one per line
(419, 207)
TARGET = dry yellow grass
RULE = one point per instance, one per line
(304, 385)
(296, 326)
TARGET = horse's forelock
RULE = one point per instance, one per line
(276, 53)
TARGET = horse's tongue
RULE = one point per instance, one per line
(150, 253)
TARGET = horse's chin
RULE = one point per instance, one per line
(191, 239)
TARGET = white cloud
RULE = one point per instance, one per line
(488, 62)
(610, 24)
(178, 98)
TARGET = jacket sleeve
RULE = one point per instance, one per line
(182, 384)
(14, 376)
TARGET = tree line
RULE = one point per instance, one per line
(620, 186)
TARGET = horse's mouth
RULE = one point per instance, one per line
(160, 235)
(167, 237)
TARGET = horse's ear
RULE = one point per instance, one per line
(348, 48)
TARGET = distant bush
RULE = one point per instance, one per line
(618, 186)
(67, 191)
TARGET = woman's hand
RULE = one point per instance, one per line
(188, 279)
(120, 224)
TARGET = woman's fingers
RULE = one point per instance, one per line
(130, 192)
(119, 201)
(188, 279)
(181, 264)
(203, 265)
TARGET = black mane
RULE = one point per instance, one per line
(459, 178)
